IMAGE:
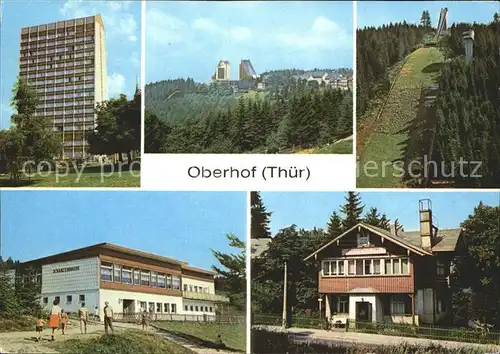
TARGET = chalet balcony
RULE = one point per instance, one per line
(204, 296)
(366, 284)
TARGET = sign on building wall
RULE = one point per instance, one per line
(364, 251)
(66, 269)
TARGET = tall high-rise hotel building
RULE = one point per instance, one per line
(65, 62)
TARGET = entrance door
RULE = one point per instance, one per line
(363, 312)
(128, 306)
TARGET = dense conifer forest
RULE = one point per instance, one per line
(378, 48)
(468, 106)
(186, 117)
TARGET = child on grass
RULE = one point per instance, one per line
(39, 327)
(64, 322)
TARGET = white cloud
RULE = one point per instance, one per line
(129, 27)
(205, 24)
(324, 34)
(73, 9)
(162, 28)
(119, 23)
(135, 59)
(240, 33)
(116, 85)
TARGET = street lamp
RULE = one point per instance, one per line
(320, 300)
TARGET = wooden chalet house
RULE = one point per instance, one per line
(368, 274)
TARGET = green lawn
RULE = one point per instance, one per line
(387, 142)
(92, 176)
(127, 342)
(233, 335)
(344, 147)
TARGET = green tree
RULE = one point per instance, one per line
(334, 226)
(260, 217)
(352, 210)
(374, 218)
(32, 139)
(233, 270)
(477, 268)
(425, 19)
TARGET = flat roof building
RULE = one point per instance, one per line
(65, 63)
(131, 281)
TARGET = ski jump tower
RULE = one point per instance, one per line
(468, 38)
(443, 22)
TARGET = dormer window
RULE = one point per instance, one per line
(363, 239)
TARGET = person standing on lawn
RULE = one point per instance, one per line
(55, 317)
(64, 322)
(83, 315)
(108, 318)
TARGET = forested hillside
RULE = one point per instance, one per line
(468, 107)
(378, 48)
(185, 117)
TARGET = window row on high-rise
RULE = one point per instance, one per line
(49, 51)
(43, 36)
(64, 104)
(58, 81)
(35, 45)
(47, 59)
(63, 112)
(68, 89)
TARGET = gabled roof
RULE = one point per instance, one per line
(446, 239)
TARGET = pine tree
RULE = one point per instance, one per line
(374, 218)
(260, 217)
(233, 270)
(334, 226)
(352, 210)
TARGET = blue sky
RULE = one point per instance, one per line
(187, 39)
(181, 225)
(122, 21)
(308, 210)
(376, 13)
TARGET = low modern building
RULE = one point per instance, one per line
(369, 274)
(131, 281)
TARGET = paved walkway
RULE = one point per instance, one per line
(25, 342)
(351, 338)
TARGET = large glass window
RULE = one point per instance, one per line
(351, 265)
(117, 274)
(326, 268)
(376, 266)
(388, 266)
(127, 275)
(343, 304)
(173, 308)
(363, 239)
(145, 274)
(137, 277)
(106, 271)
(341, 268)
(368, 266)
(154, 279)
(397, 305)
(158, 307)
(395, 266)
(404, 266)
(359, 267)
(176, 281)
(161, 280)
(166, 308)
(169, 281)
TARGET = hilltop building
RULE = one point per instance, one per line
(341, 82)
(131, 281)
(368, 274)
(65, 63)
(247, 72)
(222, 71)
